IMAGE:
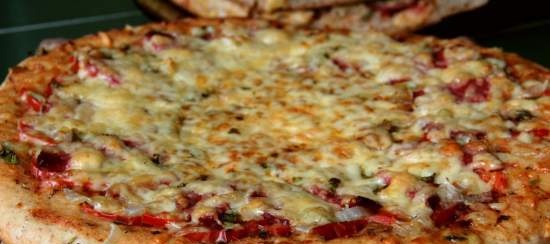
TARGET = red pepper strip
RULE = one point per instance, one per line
(340, 229)
(350, 228)
(383, 218)
(33, 100)
(27, 134)
(141, 220)
(206, 236)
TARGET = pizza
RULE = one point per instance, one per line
(211, 131)
(393, 17)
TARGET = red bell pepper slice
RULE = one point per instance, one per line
(141, 220)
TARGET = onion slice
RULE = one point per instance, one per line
(353, 213)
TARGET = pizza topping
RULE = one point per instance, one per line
(541, 132)
(268, 225)
(472, 91)
(141, 220)
(35, 101)
(55, 162)
(220, 135)
(438, 57)
(27, 134)
(496, 178)
(340, 229)
(351, 228)
(444, 215)
(8, 155)
(98, 69)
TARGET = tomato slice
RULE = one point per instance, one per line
(141, 220)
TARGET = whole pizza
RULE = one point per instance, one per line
(204, 131)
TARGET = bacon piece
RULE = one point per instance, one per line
(27, 134)
(471, 91)
(340, 229)
(444, 215)
(141, 220)
(418, 93)
(438, 58)
(341, 64)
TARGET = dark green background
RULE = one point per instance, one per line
(517, 27)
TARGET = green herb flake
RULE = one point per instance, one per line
(334, 183)
(8, 155)
(229, 217)
(523, 115)
(263, 234)
(534, 181)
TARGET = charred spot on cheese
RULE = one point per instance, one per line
(56, 162)
(283, 131)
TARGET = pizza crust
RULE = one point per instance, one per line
(34, 216)
(333, 14)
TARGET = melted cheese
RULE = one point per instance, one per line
(270, 110)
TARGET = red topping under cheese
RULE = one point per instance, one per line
(140, 220)
(472, 91)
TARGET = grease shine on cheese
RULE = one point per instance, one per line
(267, 110)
